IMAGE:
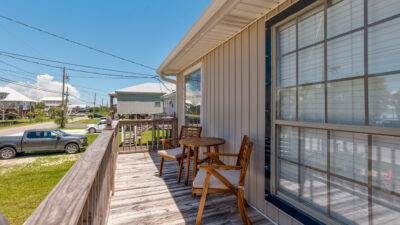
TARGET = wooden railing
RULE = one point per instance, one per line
(83, 195)
(144, 135)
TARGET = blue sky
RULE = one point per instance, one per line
(143, 31)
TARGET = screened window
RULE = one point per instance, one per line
(337, 77)
(193, 98)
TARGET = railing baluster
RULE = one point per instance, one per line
(147, 135)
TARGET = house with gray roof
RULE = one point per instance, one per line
(142, 99)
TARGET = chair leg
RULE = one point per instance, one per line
(181, 159)
(161, 166)
(180, 168)
(203, 199)
(242, 209)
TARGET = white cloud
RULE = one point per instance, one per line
(46, 81)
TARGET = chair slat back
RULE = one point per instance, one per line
(190, 131)
(244, 158)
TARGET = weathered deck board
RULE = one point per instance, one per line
(142, 197)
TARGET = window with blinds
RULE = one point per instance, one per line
(338, 65)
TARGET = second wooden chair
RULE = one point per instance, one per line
(174, 151)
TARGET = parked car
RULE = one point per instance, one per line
(94, 128)
(91, 116)
(78, 114)
(41, 140)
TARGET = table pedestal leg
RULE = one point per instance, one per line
(195, 155)
(187, 166)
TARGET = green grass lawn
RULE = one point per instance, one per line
(87, 121)
(147, 136)
(16, 120)
(23, 186)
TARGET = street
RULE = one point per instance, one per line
(15, 131)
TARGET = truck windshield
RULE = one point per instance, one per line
(62, 132)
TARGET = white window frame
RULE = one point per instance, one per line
(189, 71)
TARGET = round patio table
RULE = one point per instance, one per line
(195, 143)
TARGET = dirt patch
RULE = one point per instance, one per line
(17, 161)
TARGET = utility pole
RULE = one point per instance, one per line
(66, 102)
(62, 125)
(94, 104)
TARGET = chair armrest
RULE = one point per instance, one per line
(219, 154)
(219, 167)
(167, 142)
(169, 139)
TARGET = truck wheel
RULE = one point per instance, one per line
(92, 131)
(72, 148)
(7, 153)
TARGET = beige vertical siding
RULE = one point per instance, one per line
(233, 104)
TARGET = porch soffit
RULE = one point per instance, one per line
(219, 22)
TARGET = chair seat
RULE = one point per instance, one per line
(231, 175)
(172, 153)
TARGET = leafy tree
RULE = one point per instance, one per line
(40, 105)
(54, 111)
(38, 115)
(61, 121)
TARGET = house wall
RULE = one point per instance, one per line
(134, 103)
(233, 104)
(138, 107)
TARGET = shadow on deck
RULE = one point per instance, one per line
(142, 197)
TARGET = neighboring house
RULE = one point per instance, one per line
(142, 99)
(51, 102)
(169, 103)
(14, 104)
(316, 86)
(77, 108)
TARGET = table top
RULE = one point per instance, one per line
(202, 141)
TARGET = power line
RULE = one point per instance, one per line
(75, 42)
(36, 87)
(142, 75)
(94, 89)
(15, 67)
(19, 74)
(72, 64)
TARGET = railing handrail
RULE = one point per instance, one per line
(145, 120)
(66, 201)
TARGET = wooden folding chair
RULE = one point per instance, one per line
(224, 179)
(175, 152)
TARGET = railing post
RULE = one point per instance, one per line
(175, 127)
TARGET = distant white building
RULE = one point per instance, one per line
(14, 104)
(169, 103)
(142, 99)
(51, 102)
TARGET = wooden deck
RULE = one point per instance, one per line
(142, 197)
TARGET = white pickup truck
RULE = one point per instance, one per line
(94, 128)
